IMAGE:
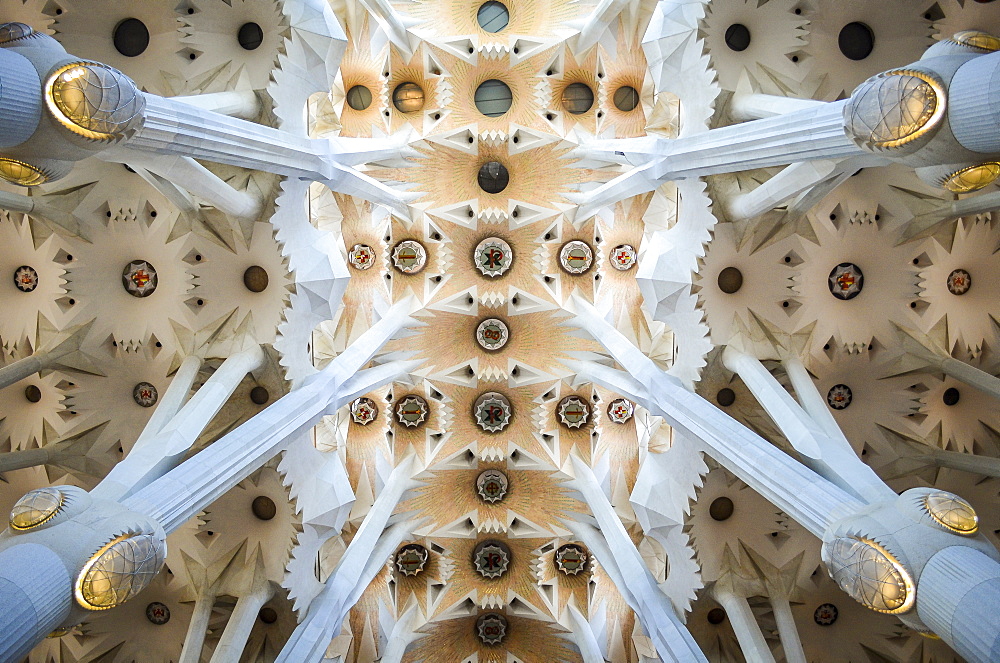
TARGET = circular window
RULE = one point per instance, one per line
(493, 16)
(408, 97)
(856, 41)
(493, 98)
(359, 97)
(493, 177)
(738, 37)
(626, 98)
(250, 36)
(730, 280)
(578, 98)
(131, 37)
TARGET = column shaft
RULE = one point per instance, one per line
(194, 641)
(787, 631)
(746, 627)
(237, 631)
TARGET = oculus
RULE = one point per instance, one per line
(856, 41)
(412, 411)
(573, 412)
(25, 278)
(492, 16)
(493, 177)
(951, 512)
(623, 257)
(139, 278)
(145, 394)
(492, 334)
(409, 256)
(491, 559)
(576, 257)
(730, 280)
(846, 281)
(264, 508)
(250, 35)
(361, 256)
(492, 412)
(959, 282)
(621, 410)
(493, 98)
(411, 559)
(826, 614)
(491, 486)
(119, 570)
(363, 411)
(571, 559)
(493, 257)
(35, 508)
(839, 396)
(578, 98)
(721, 509)
(626, 98)
(491, 628)
(131, 37)
(869, 574)
(408, 97)
(157, 613)
(255, 278)
(359, 97)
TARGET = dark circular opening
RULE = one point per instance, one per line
(32, 393)
(716, 616)
(251, 36)
(725, 397)
(738, 37)
(408, 97)
(259, 395)
(721, 508)
(131, 37)
(493, 98)
(268, 615)
(359, 97)
(493, 16)
(626, 98)
(856, 41)
(263, 507)
(950, 396)
(493, 177)
(730, 280)
(255, 278)
(578, 98)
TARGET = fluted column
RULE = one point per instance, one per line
(958, 597)
(35, 591)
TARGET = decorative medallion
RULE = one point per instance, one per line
(621, 410)
(409, 256)
(846, 281)
(361, 256)
(157, 613)
(951, 512)
(411, 559)
(623, 257)
(493, 257)
(491, 628)
(959, 282)
(139, 278)
(492, 486)
(145, 394)
(25, 278)
(492, 412)
(571, 559)
(363, 411)
(826, 614)
(492, 334)
(576, 257)
(839, 396)
(573, 412)
(412, 411)
(491, 559)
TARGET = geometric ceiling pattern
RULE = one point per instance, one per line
(496, 105)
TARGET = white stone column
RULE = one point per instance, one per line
(958, 597)
(401, 637)
(583, 636)
(811, 429)
(745, 626)
(35, 591)
(600, 19)
(935, 357)
(243, 104)
(672, 640)
(393, 23)
(157, 454)
(173, 398)
(363, 559)
(48, 354)
(241, 622)
(194, 640)
(755, 106)
(787, 630)
(787, 184)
